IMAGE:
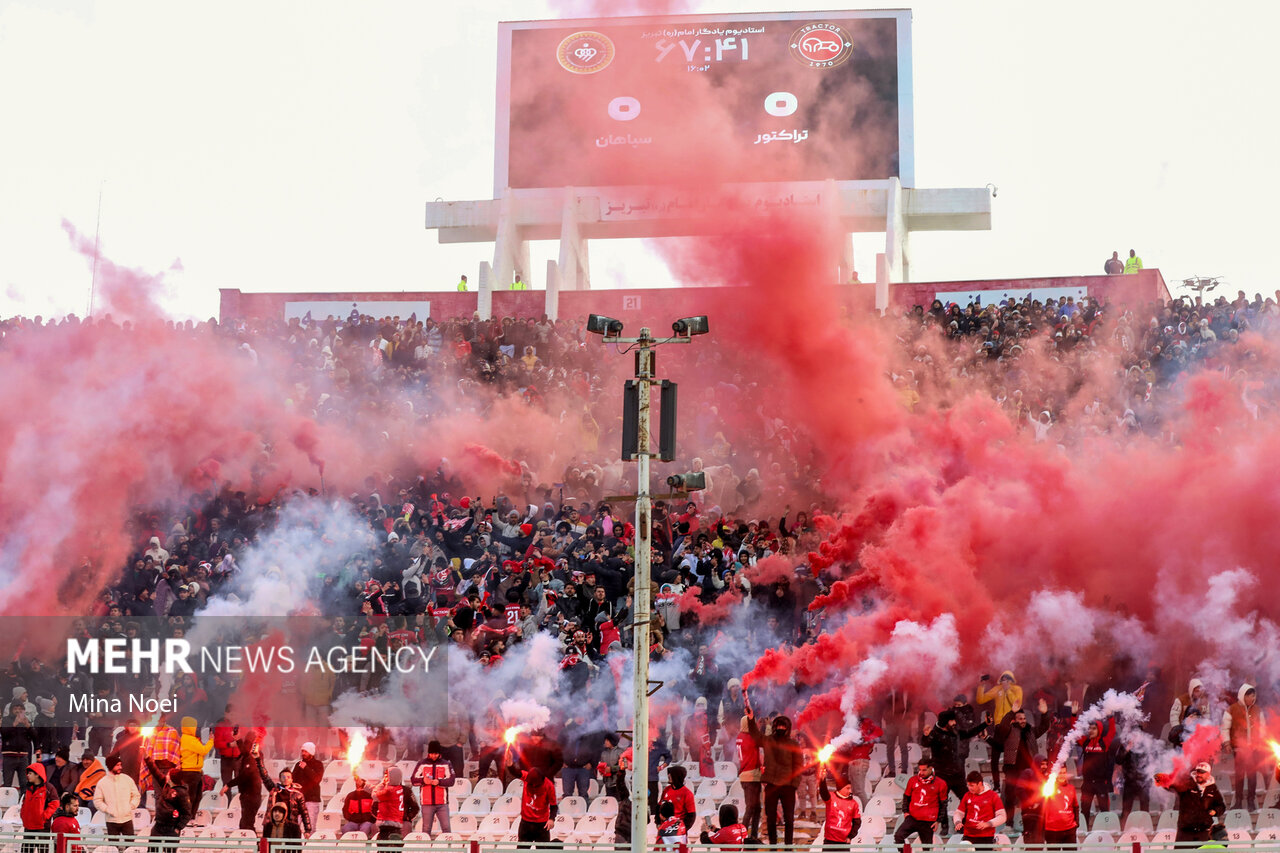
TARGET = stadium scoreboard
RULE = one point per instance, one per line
(801, 96)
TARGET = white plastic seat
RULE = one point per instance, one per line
(591, 826)
(715, 789)
(490, 788)
(1130, 837)
(8, 797)
(574, 807)
(881, 806)
(464, 825)
(1268, 833)
(507, 804)
(515, 787)
(329, 820)
(210, 832)
(1237, 819)
(494, 826)
(141, 818)
(606, 807)
(228, 819)
(1139, 820)
(324, 835)
(478, 806)
(563, 827)
(353, 835)
(461, 787)
(1240, 835)
(1268, 818)
(1168, 820)
(726, 770)
(1099, 838)
(242, 833)
(1106, 821)
(888, 787)
(873, 828)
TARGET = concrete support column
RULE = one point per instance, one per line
(484, 297)
(833, 207)
(510, 253)
(552, 307)
(896, 242)
(882, 282)
(573, 248)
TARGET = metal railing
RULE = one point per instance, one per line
(20, 842)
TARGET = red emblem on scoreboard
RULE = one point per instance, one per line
(585, 52)
(821, 45)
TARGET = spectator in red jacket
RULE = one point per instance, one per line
(389, 794)
(860, 756)
(357, 809)
(227, 744)
(922, 803)
(980, 812)
(65, 825)
(434, 776)
(844, 815)
(747, 752)
(537, 808)
(39, 800)
(679, 795)
(730, 831)
(1060, 814)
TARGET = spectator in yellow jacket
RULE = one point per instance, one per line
(1006, 695)
(192, 752)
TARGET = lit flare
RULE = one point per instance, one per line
(510, 735)
(355, 750)
(1275, 748)
(1049, 788)
(824, 754)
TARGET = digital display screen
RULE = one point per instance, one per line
(776, 97)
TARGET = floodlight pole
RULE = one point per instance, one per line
(641, 599)
(641, 616)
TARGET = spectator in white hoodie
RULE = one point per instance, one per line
(116, 796)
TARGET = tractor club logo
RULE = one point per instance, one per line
(821, 45)
(585, 52)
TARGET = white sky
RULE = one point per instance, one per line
(291, 145)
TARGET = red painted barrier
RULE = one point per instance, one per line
(661, 305)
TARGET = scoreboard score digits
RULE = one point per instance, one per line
(617, 102)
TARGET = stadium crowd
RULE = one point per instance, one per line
(446, 567)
